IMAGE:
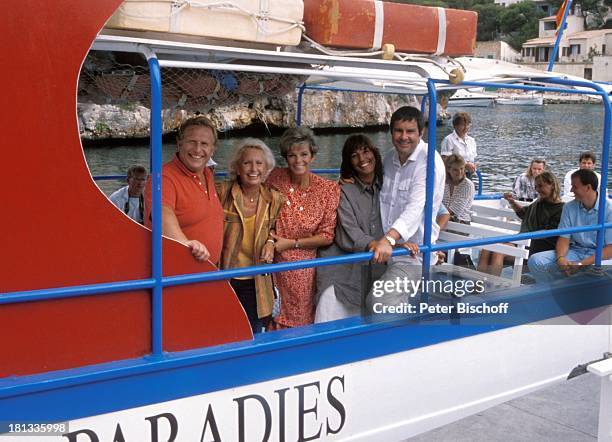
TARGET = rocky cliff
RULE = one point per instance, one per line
(321, 109)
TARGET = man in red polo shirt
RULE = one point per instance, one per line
(191, 211)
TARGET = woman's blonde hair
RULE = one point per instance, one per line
(250, 143)
(535, 160)
(549, 178)
(454, 160)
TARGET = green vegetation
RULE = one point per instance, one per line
(595, 10)
(102, 127)
(519, 23)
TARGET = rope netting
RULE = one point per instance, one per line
(107, 79)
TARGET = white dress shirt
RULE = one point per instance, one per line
(402, 198)
(567, 184)
(454, 144)
(121, 197)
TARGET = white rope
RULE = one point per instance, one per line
(327, 51)
(401, 56)
(256, 17)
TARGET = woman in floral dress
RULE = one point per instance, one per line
(306, 221)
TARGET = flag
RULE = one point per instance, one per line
(560, 13)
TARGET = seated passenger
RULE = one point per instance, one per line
(577, 250)
(341, 288)
(130, 198)
(523, 188)
(458, 191)
(250, 210)
(543, 214)
(460, 143)
(586, 161)
(191, 212)
(306, 222)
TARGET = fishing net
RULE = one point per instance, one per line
(121, 79)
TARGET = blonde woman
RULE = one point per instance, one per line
(250, 208)
(543, 214)
(524, 184)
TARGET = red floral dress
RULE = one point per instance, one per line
(307, 212)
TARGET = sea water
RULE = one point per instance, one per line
(508, 137)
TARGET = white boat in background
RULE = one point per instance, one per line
(471, 98)
(521, 100)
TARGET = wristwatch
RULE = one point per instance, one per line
(391, 240)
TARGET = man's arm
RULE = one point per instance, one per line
(382, 248)
(172, 229)
(590, 260)
(407, 224)
(561, 250)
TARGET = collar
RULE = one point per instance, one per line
(421, 147)
(595, 208)
(264, 193)
(367, 187)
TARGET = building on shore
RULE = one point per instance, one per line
(582, 53)
(497, 50)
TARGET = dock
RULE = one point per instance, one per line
(566, 412)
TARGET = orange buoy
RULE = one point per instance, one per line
(368, 24)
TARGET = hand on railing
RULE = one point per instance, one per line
(198, 250)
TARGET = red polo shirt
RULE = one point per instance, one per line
(195, 204)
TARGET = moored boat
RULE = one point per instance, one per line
(471, 98)
(521, 100)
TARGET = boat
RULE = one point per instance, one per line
(111, 332)
(471, 98)
(521, 100)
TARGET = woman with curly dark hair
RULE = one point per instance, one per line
(340, 288)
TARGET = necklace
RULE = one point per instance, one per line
(251, 198)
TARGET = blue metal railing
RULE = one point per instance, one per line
(157, 281)
(156, 237)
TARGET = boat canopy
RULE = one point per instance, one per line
(362, 74)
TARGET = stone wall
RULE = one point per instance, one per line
(321, 109)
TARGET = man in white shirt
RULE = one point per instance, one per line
(402, 200)
(586, 161)
(460, 143)
(129, 199)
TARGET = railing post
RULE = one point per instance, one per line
(605, 158)
(429, 183)
(603, 186)
(156, 235)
